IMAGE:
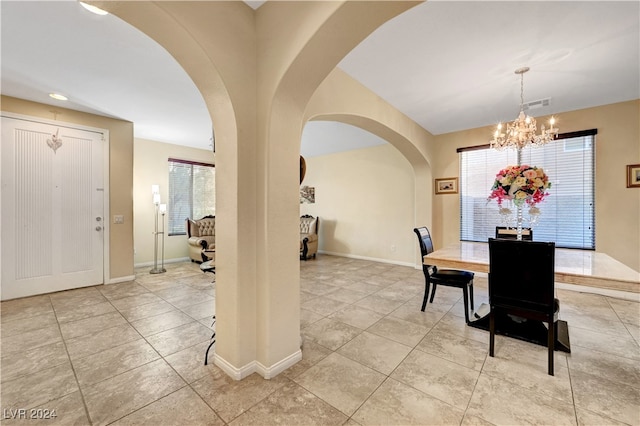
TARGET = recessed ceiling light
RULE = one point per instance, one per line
(94, 9)
(58, 96)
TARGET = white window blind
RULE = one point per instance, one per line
(192, 193)
(568, 213)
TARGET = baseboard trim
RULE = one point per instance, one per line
(373, 259)
(166, 261)
(278, 367)
(257, 367)
(233, 372)
(121, 279)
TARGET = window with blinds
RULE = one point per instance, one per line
(192, 193)
(568, 213)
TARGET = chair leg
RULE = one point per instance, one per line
(465, 296)
(492, 331)
(433, 292)
(426, 294)
(471, 293)
(551, 342)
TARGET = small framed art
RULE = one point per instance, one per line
(447, 185)
(307, 195)
(633, 176)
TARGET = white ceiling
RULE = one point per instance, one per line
(103, 65)
(449, 65)
(446, 64)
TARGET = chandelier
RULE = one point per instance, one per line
(522, 131)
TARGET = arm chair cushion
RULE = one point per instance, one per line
(207, 227)
(311, 237)
(308, 225)
(198, 242)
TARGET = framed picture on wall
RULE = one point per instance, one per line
(633, 176)
(447, 185)
(307, 195)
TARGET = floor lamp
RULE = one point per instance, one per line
(163, 211)
(159, 208)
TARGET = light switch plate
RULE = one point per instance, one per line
(118, 218)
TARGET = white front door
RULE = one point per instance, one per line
(52, 208)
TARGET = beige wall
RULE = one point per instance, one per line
(120, 175)
(617, 207)
(365, 201)
(150, 168)
(256, 71)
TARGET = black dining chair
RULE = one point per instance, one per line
(512, 233)
(521, 283)
(448, 277)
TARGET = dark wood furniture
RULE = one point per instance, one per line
(521, 284)
(449, 277)
(213, 342)
(512, 233)
(208, 262)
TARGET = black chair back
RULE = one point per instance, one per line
(512, 233)
(424, 238)
(521, 274)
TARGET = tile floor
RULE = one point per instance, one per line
(132, 353)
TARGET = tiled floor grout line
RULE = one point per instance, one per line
(75, 375)
(414, 348)
(160, 356)
(187, 384)
(578, 412)
(203, 400)
(115, 346)
(387, 376)
(573, 397)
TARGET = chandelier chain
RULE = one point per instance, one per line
(522, 92)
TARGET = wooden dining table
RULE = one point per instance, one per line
(578, 267)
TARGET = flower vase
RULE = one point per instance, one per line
(519, 222)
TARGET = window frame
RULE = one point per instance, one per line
(589, 238)
(191, 208)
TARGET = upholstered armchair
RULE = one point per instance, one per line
(308, 237)
(201, 235)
